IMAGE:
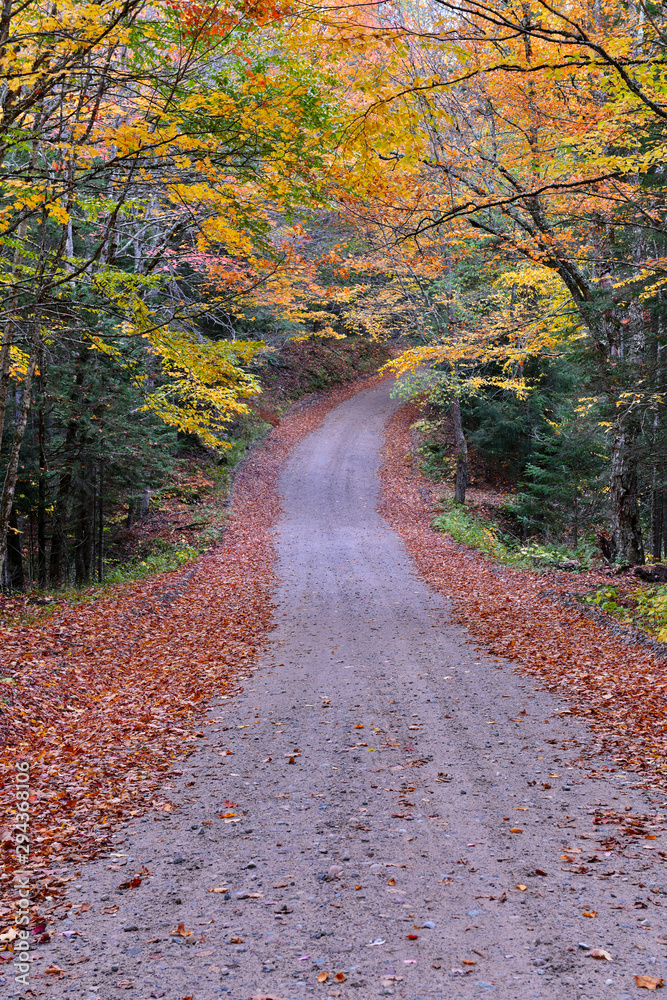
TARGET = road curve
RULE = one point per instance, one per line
(404, 814)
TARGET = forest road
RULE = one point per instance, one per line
(404, 813)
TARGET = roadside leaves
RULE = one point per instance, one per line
(108, 694)
(616, 686)
(600, 953)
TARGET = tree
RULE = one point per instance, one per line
(539, 128)
(136, 142)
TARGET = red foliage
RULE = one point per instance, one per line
(206, 20)
(620, 688)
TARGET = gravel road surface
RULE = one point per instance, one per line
(404, 814)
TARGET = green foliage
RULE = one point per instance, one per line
(645, 608)
(484, 534)
(477, 532)
(166, 558)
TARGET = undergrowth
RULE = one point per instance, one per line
(645, 608)
(483, 534)
(165, 559)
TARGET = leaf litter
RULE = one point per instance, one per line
(619, 687)
(106, 696)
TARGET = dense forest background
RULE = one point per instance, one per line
(207, 210)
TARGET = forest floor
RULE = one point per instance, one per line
(387, 800)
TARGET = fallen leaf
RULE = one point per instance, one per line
(590, 913)
(236, 940)
(600, 953)
(649, 982)
(340, 977)
(412, 937)
(360, 725)
(220, 888)
(521, 888)
(181, 931)
(132, 883)
(323, 976)
(469, 961)
(54, 970)
(391, 881)
(516, 829)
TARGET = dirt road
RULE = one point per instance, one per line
(402, 812)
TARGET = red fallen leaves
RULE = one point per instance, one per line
(107, 695)
(621, 688)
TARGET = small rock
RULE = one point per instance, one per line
(131, 927)
(429, 924)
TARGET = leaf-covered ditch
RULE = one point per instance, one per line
(103, 697)
(533, 619)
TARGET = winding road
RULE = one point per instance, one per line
(383, 810)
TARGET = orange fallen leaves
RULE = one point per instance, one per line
(182, 932)
(510, 613)
(649, 982)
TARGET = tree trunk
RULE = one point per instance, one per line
(625, 523)
(461, 482)
(11, 474)
(41, 497)
(15, 576)
(83, 537)
(100, 545)
(656, 519)
(59, 523)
